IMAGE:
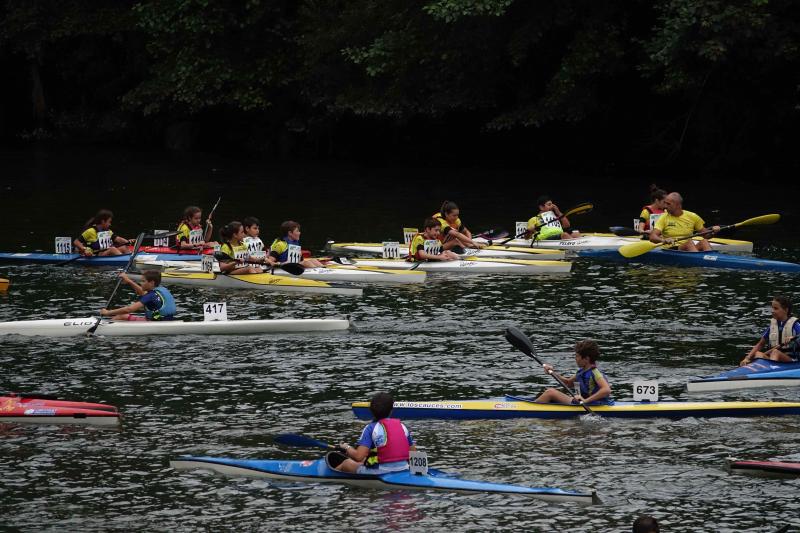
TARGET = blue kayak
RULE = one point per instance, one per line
(713, 259)
(318, 470)
(761, 373)
(111, 260)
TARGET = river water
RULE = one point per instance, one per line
(228, 396)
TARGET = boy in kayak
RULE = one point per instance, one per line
(156, 301)
(677, 222)
(593, 386)
(252, 238)
(550, 223)
(286, 249)
(455, 233)
(97, 237)
(191, 235)
(384, 443)
(431, 229)
(781, 337)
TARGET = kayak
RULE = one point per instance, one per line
(505, 252)
(76, 327)
(475, 265)
(262, 282)
(318, 470)
(761, 373)
(516, 407)
(332, 272)
(771, 469)
(33, 409)
(712, 259)
(110, 260)
(609, 241)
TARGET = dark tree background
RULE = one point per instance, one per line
(673, 84)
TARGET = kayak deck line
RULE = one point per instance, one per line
(318, 471)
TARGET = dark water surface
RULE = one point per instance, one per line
(229, 395)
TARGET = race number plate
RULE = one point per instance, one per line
(391, 250)
(104, 239)
(432, 247)
(408, 234)
(520, 228)
(207, 263)
(164, 241)
(645, 391)
(418, 463)
(195, 236)
(294, 255)
(63, 245)
(215, 311)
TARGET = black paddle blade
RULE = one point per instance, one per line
(624, 231)
(295, 269)
(519, 340)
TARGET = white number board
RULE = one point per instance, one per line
(104, 240)
(432, 246)
(408, 234)
(520, 228)
(164, 241)
(207, 263)
(391, 250)
(215, 311)
(294, 254)
(645, 391)
(418, 463)
(63, 245)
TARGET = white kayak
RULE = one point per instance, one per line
(332, 272)
(475, 265)
(75, 327)
(609, 241)
(494, 251)
(259, 282)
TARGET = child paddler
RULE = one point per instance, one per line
(781, 338)
(431, 229)
(233, 256)
(98, 239)
(156, 301)
(252, 238)
(592, 384)
(286, 249)
(383, 445)
(550, 223)
(454, 233)
(652, 211)
(192, 236)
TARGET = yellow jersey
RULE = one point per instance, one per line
(682, 226)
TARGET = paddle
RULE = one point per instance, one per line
(291, 439)
(523, 343)
(136, 246)
(577, 210)
(642, 247)
(208, 218)
(490, 235)
(295, 269)
(624, 231)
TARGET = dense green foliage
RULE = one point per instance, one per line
(707, 80)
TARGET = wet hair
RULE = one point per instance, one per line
(447, 207)
(588, 348)
(785, 302)
(381, 405)
(189, 212)
(152, 275)
(100, 216)
(645, 524)
(430, 223)
(656, 193)
(289, 225)
(250, 221)
(230, 229)
(543, 199)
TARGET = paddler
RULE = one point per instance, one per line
(286, 249)
(593, 387)
(678, 222)
(431, 231)
(550, 223)
(781, 337)
(98, 239)
(192, 236)
(454, 233)
(384, 443)
(156, 301)
(252, 238)
(234, 252)
(652, 211)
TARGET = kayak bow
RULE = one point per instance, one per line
(30, 409)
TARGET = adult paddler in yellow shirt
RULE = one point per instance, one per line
(678, 222)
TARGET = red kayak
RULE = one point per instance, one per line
(774, 469)
(41, 409)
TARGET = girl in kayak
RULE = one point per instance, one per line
(383, 446)
(97, 237)
(286, 249)
(550, 223)
(651, 212)
(156, 301)
(593, 386)
(781, 337)
(454, 233)
(252, 232)
(430, 232)
(234, 252)
(192, 236)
